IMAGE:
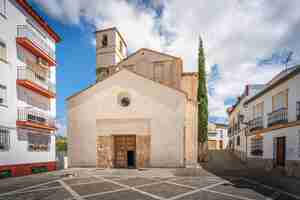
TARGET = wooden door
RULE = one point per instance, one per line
(221, 144)
(280, 151)
(123, 144)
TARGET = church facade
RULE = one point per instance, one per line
(141, 112)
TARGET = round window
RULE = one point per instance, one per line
(124, 99)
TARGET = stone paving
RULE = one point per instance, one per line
(93, 184)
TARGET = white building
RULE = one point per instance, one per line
(237, 129)
(217, 136)
(142, 112)
(27, 89)
(273, 139)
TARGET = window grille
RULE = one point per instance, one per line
(3, 95)
(4, 139)
(37, 142)
(257, 146)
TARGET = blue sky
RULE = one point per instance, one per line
(237, 53)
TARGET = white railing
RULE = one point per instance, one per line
(27, 73)
(256, 123)
(29, 115)
(26, 32)
(278, 116)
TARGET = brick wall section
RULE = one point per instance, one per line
(105, 152)
(143, 150)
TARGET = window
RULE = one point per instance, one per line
(280, 100)
(124, 99)
(298, 110)
(257, 146)
(221, 134)
(36, 28)
(4, 139)
(238, 140)
(3, 51)
(258, 110)
(38, 142)
(3, 95)
(159, 72)
(3, 7)
(104, 41)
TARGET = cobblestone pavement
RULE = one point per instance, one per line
(161, 184)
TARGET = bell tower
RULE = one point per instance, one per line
(111, 48)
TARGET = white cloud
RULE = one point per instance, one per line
(235, 32)
(61, 126)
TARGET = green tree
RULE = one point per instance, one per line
(61, 144)
(202, 105)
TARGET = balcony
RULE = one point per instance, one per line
(279, 116)
(35, 119)
(35, 44)
(256, 124)
(212, 134)
(35, 81)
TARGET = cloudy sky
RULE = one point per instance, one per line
(245, 41)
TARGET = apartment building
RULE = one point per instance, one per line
(217, 136)
(237, 128)
(27, 90)
(273, 137)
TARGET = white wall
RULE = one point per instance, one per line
(293, 96)
(18, 152)
(162, 106)
(292, 135)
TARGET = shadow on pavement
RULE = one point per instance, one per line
(225, 165)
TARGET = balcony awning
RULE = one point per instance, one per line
(35, 125)
(36, 88)
(34, 49)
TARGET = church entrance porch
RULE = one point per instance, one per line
(125, 150)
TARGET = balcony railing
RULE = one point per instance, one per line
(256, 124)
(24, 31)
(278, 117)
(28, 74)
(212, 134)
(35, 117)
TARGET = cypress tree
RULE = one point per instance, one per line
(202, 104)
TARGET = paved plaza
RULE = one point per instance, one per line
(150, 184)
